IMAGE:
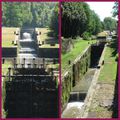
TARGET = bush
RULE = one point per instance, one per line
(93, 37)
(67, 45)
(86, 35)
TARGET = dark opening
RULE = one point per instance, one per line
(96, 51)
(77, 96)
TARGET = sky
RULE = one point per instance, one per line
(103, 9)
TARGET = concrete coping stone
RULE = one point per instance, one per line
(88, 99)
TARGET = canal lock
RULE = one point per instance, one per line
(80, 88)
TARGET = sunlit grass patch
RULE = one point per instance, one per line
(8, 36)
(79, 47)
(109, 70)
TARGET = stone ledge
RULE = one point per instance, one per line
(88, 100)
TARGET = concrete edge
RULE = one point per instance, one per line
(88, 100)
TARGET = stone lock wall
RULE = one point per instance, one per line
(43, 52)
(75, 74)
(49, 52)
(66, 88)
(81, 65)
(9, 52)
(28, 96)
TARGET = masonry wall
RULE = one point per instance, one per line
(43, 52)
(49, 52)
(29, 97)
(9, 52)
(75, 74)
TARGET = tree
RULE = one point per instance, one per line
(73, 19)
(110, 24)
(54, 21)
(12, 15)
(77, 18)
(115, 9)
(98, 25)
(33, 14)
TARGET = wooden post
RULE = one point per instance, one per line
(74, 76)
(24, 61)
(54, 61)
(9, 73)
(14, 62)
(33, 62)
(29, 65)
(41, 65)
(3, 61)
(22, 65)
(16, 65)
(69, 62)
(43, 62)
(52, 72)
(103, 62)
(35, 65)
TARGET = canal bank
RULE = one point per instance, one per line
(80, 78)
(104, 103)
(97, 100)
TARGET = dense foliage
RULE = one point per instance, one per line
(78, 18)
(115, 9)
(54, 21)
(110, 24)
(35, 14)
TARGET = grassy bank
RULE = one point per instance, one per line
(8, 36)
(5, 66)
(102, 101)
(44, 34)
(79, 47)
(109, 70)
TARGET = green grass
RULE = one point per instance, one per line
(44, 33)
(8, 36)
(55, 66)
(109, 70)
(5, 66)
(79, 47)
(105, 91)
(7, 43)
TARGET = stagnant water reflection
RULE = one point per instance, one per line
(78, 95)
